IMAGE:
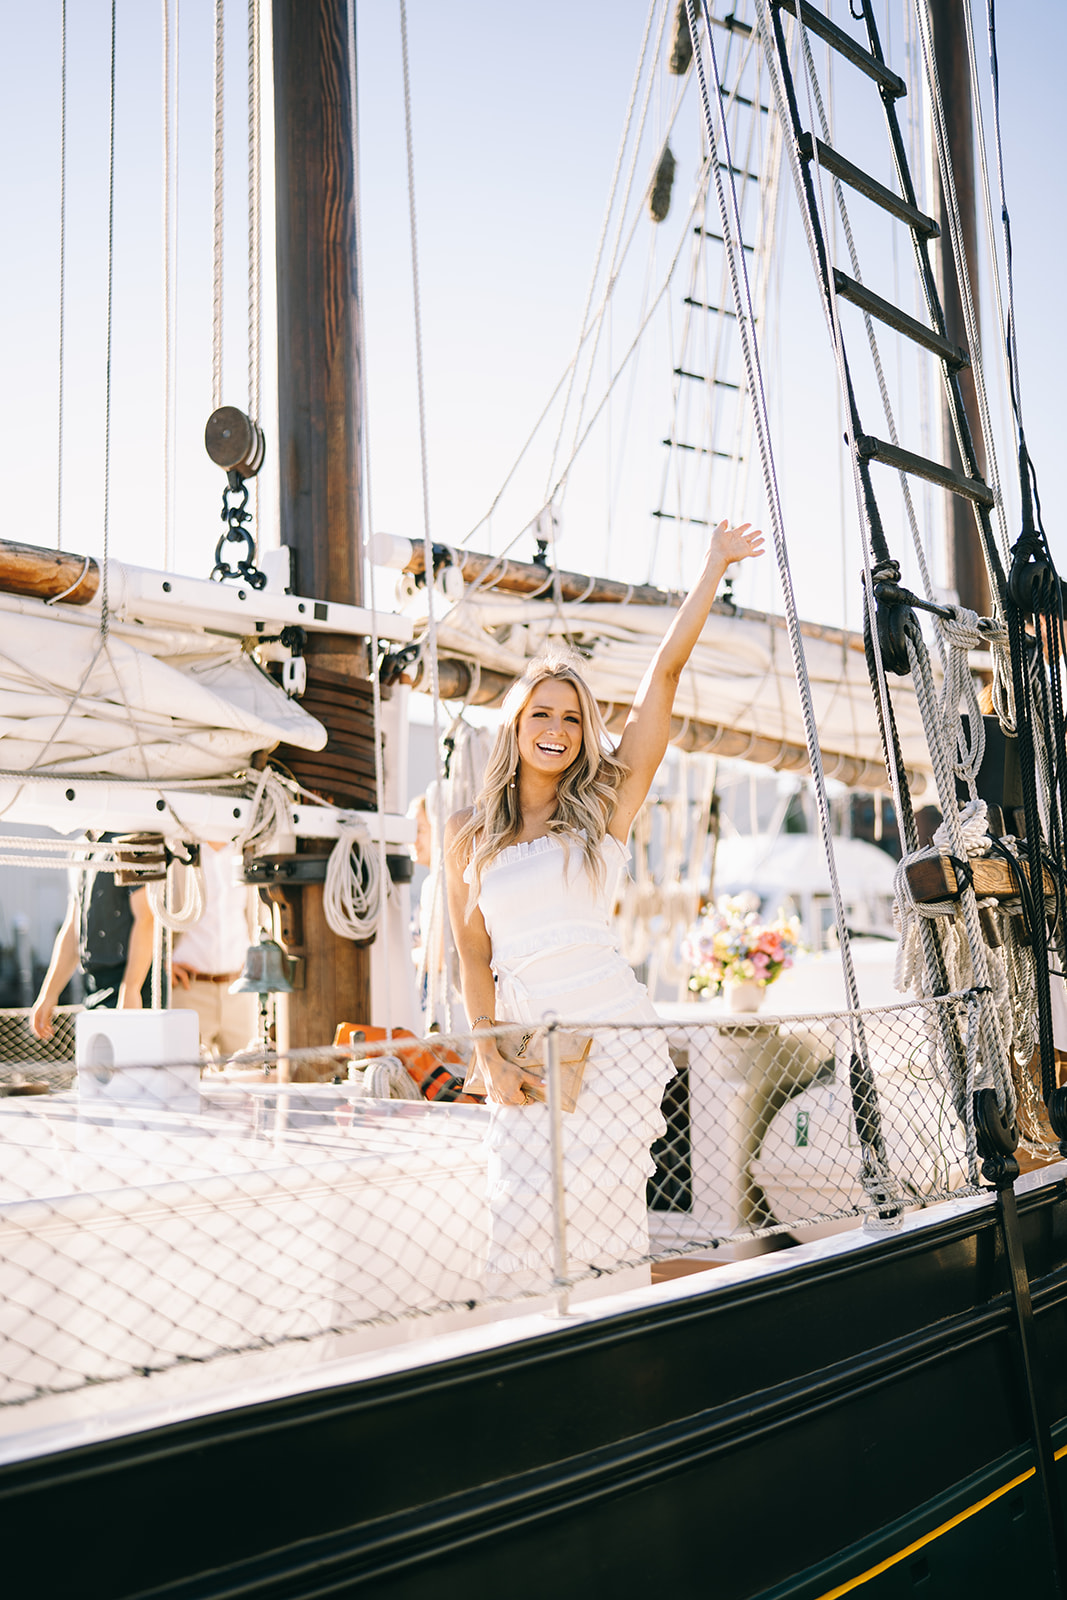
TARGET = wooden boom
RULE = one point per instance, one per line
(502, 574)
(456, 681)
(47, 574)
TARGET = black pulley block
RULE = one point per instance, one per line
(996, 1135)
(1057, 1116)
(1032, 582)
(897, 623)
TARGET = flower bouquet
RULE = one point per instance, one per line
(731, 946)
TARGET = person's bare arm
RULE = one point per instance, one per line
(474, 948)
(138, 952)
(61, 969)
(644, 738)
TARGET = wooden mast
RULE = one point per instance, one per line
(967, 573)
(320, 431)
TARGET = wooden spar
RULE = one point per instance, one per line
(967, 573)
(532, 579)
(47, 574)
(935, 879)
(319, 427)
(456, 681)
(500, 573)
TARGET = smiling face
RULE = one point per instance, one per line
(549, 728)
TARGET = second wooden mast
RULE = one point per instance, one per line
(319, 448)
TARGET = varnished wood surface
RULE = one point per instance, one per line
(993, 877)
(45, 574)
(319, 442)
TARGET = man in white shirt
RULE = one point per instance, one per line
(210, 956)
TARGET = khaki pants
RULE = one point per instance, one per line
(228, 1022)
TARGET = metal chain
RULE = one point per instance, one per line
(236, 515)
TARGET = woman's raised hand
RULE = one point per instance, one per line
(735, 544)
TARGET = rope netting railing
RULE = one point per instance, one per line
(29, 1065)
(153, 1217)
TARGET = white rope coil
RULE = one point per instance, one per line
(387, 1078)
(269, 813)
(178, 918)
(352, 899)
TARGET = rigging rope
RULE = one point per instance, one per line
(255, 259)
(872, 337)
(218, 232)
(876, 1178)
(970, 317)
(1004, 323)
(427, 542)
(613, 261)
(170, 250)
(368, 521)
(105, 619)
(177, 919)
(598, 255)
(62, 266)
(988, 1023)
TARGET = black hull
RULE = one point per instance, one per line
(640, 1449)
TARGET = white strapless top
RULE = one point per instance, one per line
(550, 923)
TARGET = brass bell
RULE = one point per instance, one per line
(266, 970)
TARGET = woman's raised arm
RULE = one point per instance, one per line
(644, 738)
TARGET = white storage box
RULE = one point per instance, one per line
(146, 1057)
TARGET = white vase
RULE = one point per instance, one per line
(744, 996)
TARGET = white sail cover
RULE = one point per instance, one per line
(143, 703)
(740, 675)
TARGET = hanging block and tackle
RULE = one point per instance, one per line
(236, 444)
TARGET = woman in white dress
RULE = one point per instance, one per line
(533, 872)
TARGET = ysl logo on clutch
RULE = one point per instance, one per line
(521, 1051)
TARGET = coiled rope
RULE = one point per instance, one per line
(352, 897)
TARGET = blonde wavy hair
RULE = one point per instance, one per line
(585, 796)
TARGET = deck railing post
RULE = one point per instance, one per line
(559, 1193)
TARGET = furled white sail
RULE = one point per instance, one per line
(139, 703)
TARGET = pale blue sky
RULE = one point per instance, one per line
(517, 114)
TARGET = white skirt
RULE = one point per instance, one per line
(606, 1160)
